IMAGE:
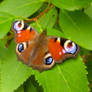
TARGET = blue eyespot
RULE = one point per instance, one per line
(70, 47)
(18, 26)
(20, 47)
(48, 60)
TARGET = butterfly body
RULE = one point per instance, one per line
(39, 50)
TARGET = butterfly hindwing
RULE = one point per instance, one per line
(36, 54)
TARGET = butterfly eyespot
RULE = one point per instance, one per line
(20, 47)
(18, 26)
(70, 47)
(48, 59)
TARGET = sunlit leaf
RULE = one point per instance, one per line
(12, 72)
(71, 4)
(20, 89)
(77, 26)
(23, 8)
(5, 23)
(47, 20)
(67, 77)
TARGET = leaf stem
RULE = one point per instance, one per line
(42, 13)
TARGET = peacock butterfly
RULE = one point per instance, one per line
(39, 50)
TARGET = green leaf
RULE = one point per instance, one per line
(5, 23)
(88, 11)
(84, 51)
(77, 26)
(12, 72)
(55, 32)
(3, 49)
(89, 67)
(20, 89)
(47, 20)
(67, 77)
(29, 87)
(23, 8)
(71, 4)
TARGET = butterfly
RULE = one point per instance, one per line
(40, 51)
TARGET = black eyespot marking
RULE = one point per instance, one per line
(25, 26)
(48, 60)
(31, 29)
(20, 47)
(62, 41)
(55, 39)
